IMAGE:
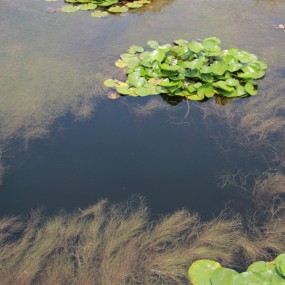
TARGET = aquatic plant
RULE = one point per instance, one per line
(208, 272)
(118, 244)
(101, 8)
(192, 70)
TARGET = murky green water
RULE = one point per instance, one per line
(52, 69)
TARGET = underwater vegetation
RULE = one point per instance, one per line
(119, 244)
(192, 70)
(209, 272)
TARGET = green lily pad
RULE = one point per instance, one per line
(223, 85)
(250, 278)
(124, 90)
(218, 68)
(201, 270)
(195, 47)
(134, 49)
(110, 83)
(69, 9)
(134, 5)
(89, 6)
(107, 3)
(223, 276)
(146, 91)
(190, 69)
(249, 88)
(99, 14)
(153, 44)
(118, 9)
(181, 42)
(212, 44)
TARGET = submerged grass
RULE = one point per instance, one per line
(118, 244)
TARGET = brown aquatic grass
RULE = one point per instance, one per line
(253, 123)
(262, 189)
(118, 244)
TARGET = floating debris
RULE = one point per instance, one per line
(113, 95)
(280, 26)
(51, 10)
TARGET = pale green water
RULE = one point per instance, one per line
(54, 64)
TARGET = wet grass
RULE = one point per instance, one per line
(118, 244)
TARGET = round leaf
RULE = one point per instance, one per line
(118, 9)
(110, 83)
(70, 9)
(200, 271)
(223, 276)
(134, 49)
(99, 14)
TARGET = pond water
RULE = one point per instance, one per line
(65, 145)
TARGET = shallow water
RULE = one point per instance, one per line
(52, 69)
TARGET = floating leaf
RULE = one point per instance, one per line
(124, 90)
(113, 95)
(200, 271)
(212, 44)
(134, 5)
(134, 49)
(249, 88)
(206, 90)
(120, 63)
(153, 44)
(223, 276)
(181, 42)
(146, 91)
(99, 14)
(223, 85)
(118, 9)
(189, 69)
(218, 68)
(106, 3)
(89, 6)
(250, 278)
(110, 83)
(196, 47)
(135, 79)
(70, 9)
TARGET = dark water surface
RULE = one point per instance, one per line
(66, 145)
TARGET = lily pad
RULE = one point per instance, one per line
(134, 49)
(70, 9)
(193, 70)
(134, 5)
(153, 44)
(89, 6)
(100, 14)
(118, 9)
(201, 270)
(223, 276)
(110, 83)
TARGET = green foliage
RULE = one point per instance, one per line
(193, 70)
(101, 8)
(208, 272)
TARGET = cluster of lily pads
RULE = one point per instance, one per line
(208, 272)
(101, 8)
(194, 70)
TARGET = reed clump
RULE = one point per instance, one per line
(118, 244)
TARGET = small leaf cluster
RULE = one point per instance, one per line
(208, 272)
(194, 70)
(101, 8)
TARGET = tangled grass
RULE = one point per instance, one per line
(118, 244)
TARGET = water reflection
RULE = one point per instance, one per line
(54, 64)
